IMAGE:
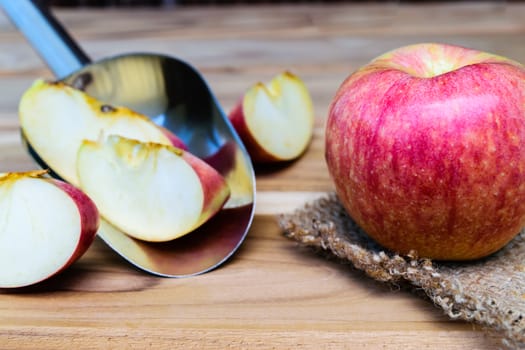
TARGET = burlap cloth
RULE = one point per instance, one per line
(489, 292)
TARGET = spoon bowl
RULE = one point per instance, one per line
(174, 95)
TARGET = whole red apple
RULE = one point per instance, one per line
(426, 146)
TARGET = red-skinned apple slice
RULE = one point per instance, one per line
(45, 226)
(56, 118)
(152, 192)
(275, 121)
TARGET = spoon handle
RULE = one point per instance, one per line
(45, 34)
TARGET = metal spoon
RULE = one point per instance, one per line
(175, 96)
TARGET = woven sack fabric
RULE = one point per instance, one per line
(489, 292)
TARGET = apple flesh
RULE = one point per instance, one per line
(152, 192)
(426, 147)
(275, 121)
(46, 225)
(56, 118)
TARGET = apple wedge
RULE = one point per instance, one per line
(45, 226)
(56, 118)
(150, 191)
(275, 121)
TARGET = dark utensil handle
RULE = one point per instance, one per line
(46, 35)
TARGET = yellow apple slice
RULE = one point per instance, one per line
(152, 192)
(56, 118)
(45, 226)
(275, 121)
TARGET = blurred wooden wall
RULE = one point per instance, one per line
(102, 3)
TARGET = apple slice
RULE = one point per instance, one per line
(275, 121)
(45, 226)
(56, 117)
(152, 192)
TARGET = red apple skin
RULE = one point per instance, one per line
(216, 190)
(256, 152)
(432, 163)
(174, 139)
(89, 217)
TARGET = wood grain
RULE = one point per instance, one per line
(272, 294)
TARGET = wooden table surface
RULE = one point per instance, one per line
(271, 294)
